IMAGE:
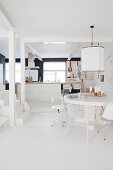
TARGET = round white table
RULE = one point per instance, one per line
(85, 99)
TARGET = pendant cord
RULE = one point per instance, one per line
(92, 37)
(92, 26)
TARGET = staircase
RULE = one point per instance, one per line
(21, 116)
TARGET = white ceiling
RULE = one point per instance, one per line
(60, 17)
(44, 50)
(52, 50)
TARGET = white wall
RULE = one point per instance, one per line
(1, 74)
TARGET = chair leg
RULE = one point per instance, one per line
(105, 132)
(87, 133)
(74, 121)
(67, 127)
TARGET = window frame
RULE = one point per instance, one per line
(7, 71)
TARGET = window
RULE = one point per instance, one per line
(54, 71)
(17, 72)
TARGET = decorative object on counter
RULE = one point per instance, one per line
(95, 94)
(90, 91)
(92, 57)
(30, 79)
(99, 94)
(104, 94)
(97, 91)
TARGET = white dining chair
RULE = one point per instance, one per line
(78, 116)
(108, 117)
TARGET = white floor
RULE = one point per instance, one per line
(37, 146)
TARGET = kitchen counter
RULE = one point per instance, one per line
(72, 82)
(43, 91)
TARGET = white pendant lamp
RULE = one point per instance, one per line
(92, 57)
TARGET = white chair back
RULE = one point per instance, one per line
(108, 112)
(77, 112)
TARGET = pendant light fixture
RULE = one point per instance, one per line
(92, 57)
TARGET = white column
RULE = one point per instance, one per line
(22, 72)
(11, 78)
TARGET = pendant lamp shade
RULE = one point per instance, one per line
(92, 59)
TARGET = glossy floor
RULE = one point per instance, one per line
(37, 146)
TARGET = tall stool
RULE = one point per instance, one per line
(59, 108)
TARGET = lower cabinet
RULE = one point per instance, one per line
(41, 92)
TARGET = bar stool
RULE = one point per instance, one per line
(59, 108)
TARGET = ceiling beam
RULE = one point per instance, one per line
(66, 39)
(5, 20)
(34, 51)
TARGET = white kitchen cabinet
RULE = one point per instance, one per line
(41, 92)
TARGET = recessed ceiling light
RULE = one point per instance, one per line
(54, 42)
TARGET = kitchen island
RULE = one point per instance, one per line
(42, 91)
